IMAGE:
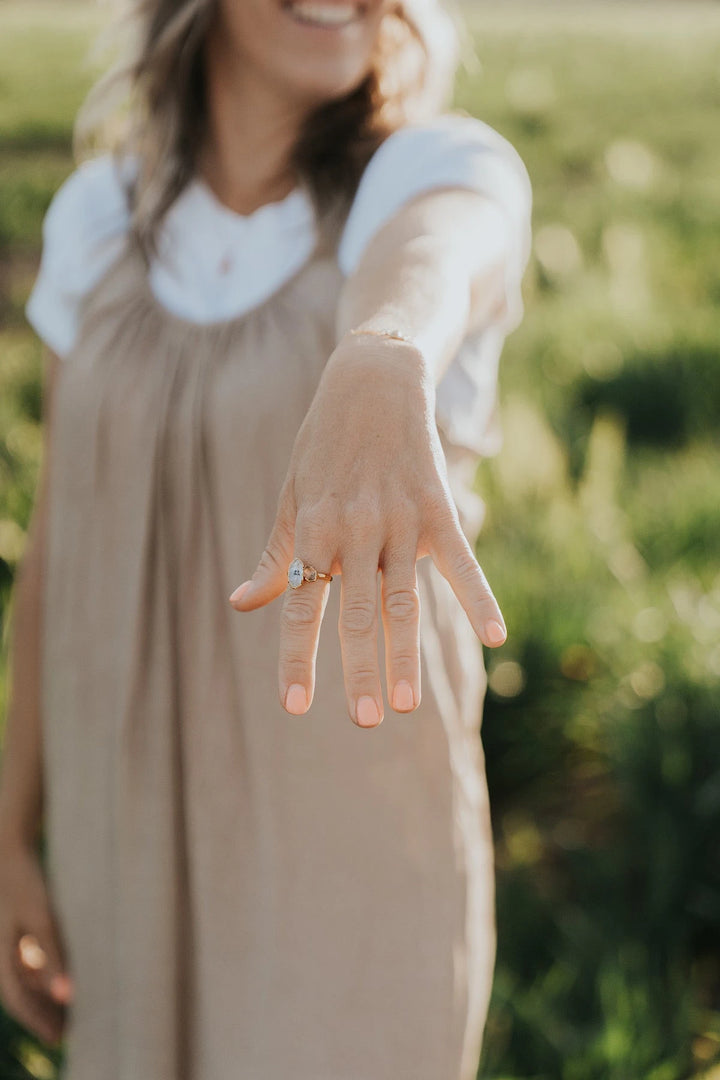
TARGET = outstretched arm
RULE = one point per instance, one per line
(435, 270)
(367, 485)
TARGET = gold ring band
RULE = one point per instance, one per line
(300, 572)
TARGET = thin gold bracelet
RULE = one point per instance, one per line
(394, 333)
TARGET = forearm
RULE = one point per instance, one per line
(418, 288)
(21, 777)
(433, 271)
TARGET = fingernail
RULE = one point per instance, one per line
(296, 699)
(240, 591)
(60, 987)
(495, 633)
(367, 712)
(402, 699)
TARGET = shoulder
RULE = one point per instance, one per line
(83, 230)
(446, 135)
(452, 148)
(89, 206)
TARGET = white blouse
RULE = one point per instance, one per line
(214, 264)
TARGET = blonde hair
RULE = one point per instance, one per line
(150, 103)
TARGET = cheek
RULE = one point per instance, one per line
(252, 27)
(311, 63)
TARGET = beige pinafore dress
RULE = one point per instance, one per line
(243, 894)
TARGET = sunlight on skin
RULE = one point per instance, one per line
(386, 389)
(431, 280)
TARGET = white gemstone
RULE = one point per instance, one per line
(295, 573)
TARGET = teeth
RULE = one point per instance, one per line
(325, 14)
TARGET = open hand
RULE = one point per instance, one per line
(367, 490)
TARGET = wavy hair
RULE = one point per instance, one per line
(150, 103)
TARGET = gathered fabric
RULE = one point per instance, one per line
(242, 893)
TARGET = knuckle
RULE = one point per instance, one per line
(298, 614)
(470, 575)
(403, 660)
(293, 670)
(486, 605)
(439, 532)
(437, 504)
(466, 569)
(357, 617)
(361, 677)
(361, 514)
(404, 515)
(314, 519)
(402, 604)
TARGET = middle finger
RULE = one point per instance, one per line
(358, 627)
(301, 617)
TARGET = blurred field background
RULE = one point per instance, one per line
(603, 526)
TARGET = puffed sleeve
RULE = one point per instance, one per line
(454, 149)
(83, 231)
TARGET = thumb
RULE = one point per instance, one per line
(270, 577)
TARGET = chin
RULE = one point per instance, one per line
(320, 88)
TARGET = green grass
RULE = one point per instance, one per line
(602, 535)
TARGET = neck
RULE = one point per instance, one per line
(251, 130)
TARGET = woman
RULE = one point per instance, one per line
(273, 320)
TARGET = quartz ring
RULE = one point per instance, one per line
(298, 572)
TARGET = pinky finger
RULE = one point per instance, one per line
(455, 560)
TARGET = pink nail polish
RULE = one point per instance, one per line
(296, 699)
(495, 633)
(61, 988)
(240, 591)
(367, 712)
(402, 699)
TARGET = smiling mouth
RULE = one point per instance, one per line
(321, 13)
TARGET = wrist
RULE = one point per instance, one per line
(381, 351)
